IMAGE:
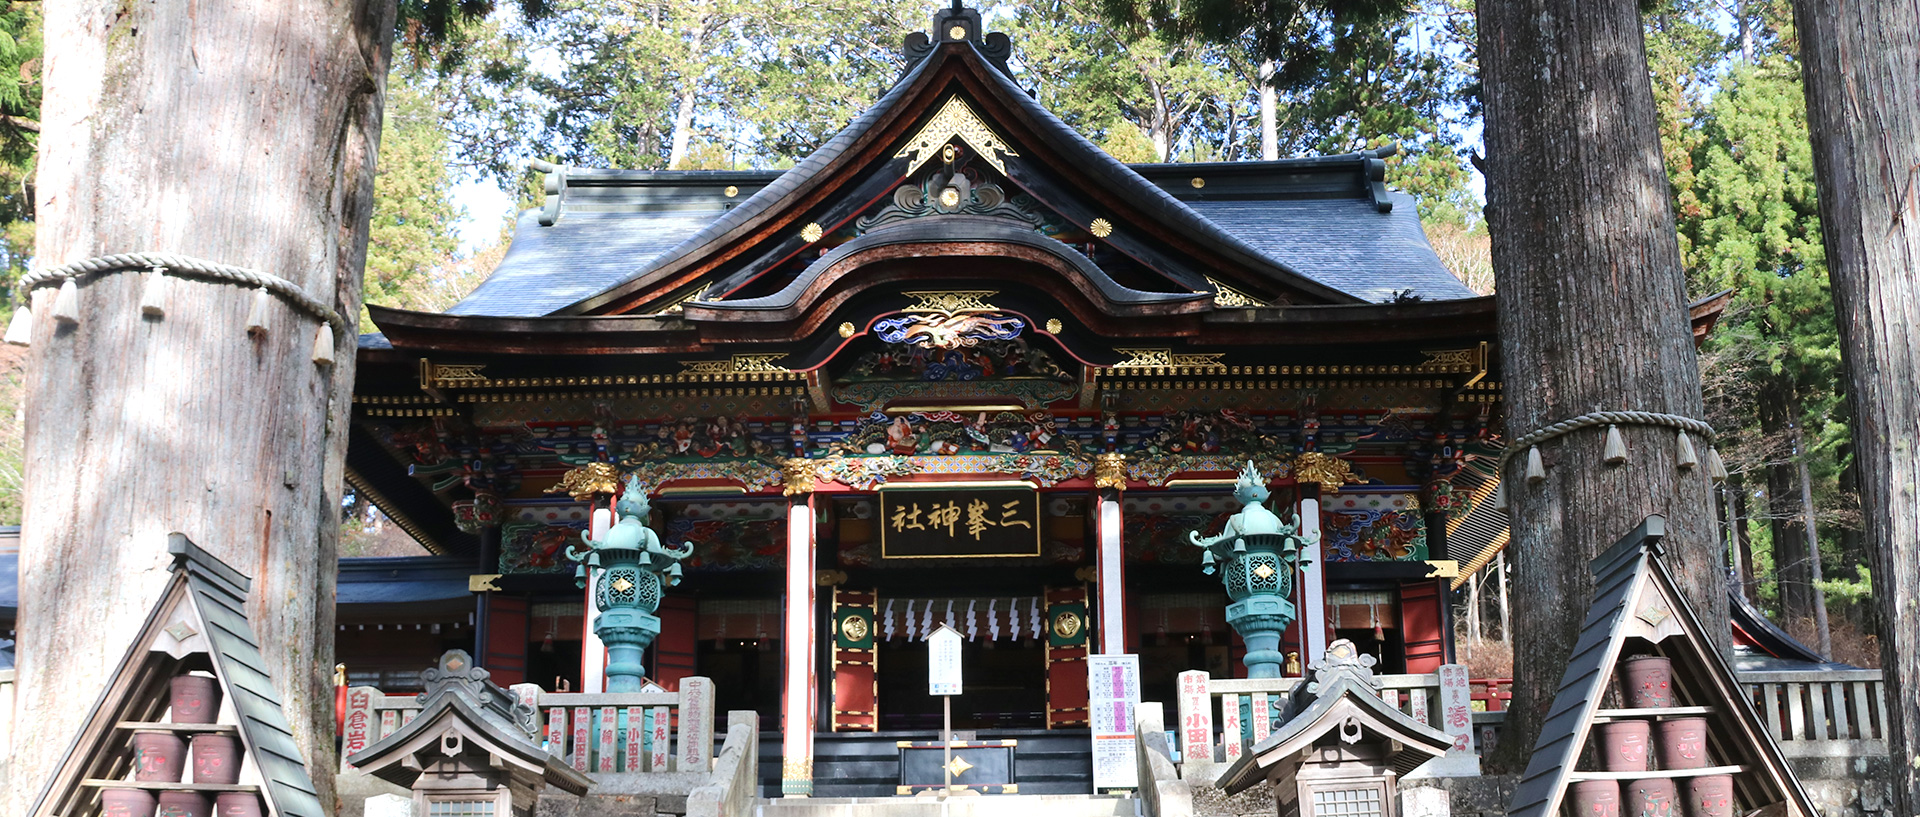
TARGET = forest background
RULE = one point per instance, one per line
(716, 84)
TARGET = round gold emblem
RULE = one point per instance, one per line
(811, 233)
(950, 197)
(846, 329)
(957, 33)
(731, 191)
(1054, 326)
(855, 628)
(1101, 228)
(1198, 182)
(1066, 624)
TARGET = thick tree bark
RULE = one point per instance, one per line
(1593, 316)
(1861, 60)
(240, 133)
(1269, 113)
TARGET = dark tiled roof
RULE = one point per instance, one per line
(1344, 243)
(615, 227)
(548, 268)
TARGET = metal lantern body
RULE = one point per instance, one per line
(632, 569)
(1256, 554)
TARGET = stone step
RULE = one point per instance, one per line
(993, 805)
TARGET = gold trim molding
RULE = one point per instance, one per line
(956, 120)
(950, 303)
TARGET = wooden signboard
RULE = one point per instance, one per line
(954, 521)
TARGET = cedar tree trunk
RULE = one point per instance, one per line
(242, 133)
(1593, 316)
(1862, 66)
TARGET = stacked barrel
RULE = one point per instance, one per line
(1654, 734)
(160, 757)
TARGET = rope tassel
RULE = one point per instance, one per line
(66, 305)
(1687, 458)
(323, 346)
(1536, 470)
(1716, 470)
(1616, 450)
(1500, 496)
(20, 329)
(153, 299)
(257, 318)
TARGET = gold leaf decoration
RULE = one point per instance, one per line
(811, 233)
(1101, 228)
(588, 481)
(955, 120)
(951, 302)
(1329, 472)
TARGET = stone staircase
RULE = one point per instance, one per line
(864, 767)
(1000, 805)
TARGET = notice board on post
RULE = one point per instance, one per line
(952, 521)
(1113, 688)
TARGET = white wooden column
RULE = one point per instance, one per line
(797, 705)
(1313, 580)
(593, 651)
(1113, 575)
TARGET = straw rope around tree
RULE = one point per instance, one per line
(159, 267)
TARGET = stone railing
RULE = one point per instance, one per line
(735, 782)
(1833, 713)
(598, 733)
(1162, 792)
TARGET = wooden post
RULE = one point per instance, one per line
(1314, 627)
(1111, 564)
(798, 706)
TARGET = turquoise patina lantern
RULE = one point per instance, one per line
(1257, 554)
(632, 568)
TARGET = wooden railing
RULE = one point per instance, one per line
(1837, 713)
(597, 733)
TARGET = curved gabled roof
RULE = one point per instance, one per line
(786, 198)
(1312, 227)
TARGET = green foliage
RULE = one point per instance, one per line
(20, 52)
(1140, 92)
(411, 234)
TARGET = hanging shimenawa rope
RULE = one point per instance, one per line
(1615, 451)
(159, 268)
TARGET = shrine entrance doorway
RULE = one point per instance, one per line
(1004, 687)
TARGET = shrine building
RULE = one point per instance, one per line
(958, 366)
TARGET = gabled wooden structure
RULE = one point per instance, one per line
(471, 743)
(199, 623)
(1637, 608)
(1340, 736)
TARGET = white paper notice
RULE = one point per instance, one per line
(1113, 688)
(943, 662)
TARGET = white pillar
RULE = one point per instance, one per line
(797, 698)
(593, 651)
(1313, 581)
(1113, 577)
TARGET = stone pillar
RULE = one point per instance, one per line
(1110, 480)
(1314, 630)
(798, 705)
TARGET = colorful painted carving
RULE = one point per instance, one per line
(1202, 441)
(1258, 553)
(964, 347)
(632, 569)
(1374, 528)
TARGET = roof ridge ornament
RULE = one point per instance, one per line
(959, 24)
(955, 120)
